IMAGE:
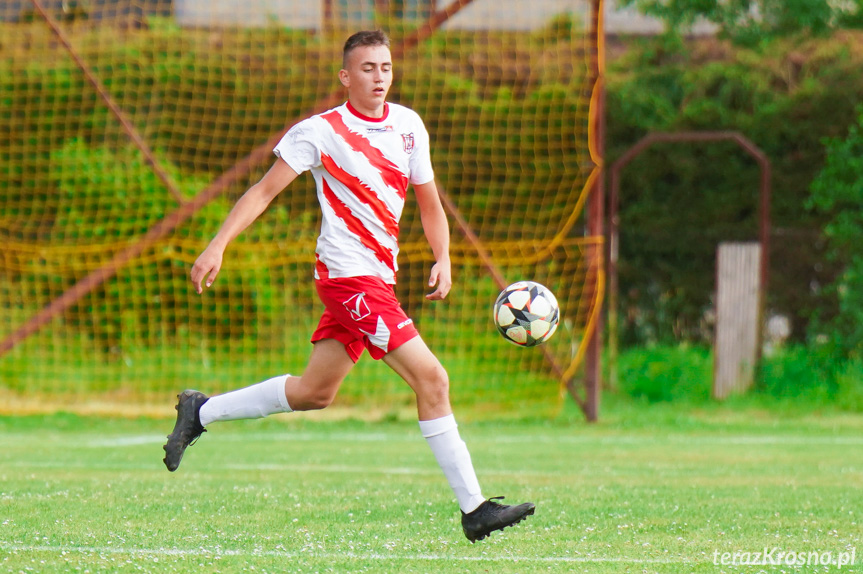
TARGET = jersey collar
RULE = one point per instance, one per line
(354, 111)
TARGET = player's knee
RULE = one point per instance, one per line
(436, 384)
(441, 378)
(312, 398)
(320, 402)
(314, 402)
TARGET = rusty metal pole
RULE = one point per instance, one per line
(592, 361)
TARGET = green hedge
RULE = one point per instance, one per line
(791, 376)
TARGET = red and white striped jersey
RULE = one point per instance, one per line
(362, 167)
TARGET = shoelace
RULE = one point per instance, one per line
(494, 505)
(194, 440)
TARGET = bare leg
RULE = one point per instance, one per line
(418, 366)
(317, 387)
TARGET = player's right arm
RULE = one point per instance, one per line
(247, 209)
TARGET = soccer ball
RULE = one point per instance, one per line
(526, 314)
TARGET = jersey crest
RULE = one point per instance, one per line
(409, 142)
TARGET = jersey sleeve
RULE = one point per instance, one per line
(299, 147)
(420, 161)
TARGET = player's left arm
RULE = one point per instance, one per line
(436, 229)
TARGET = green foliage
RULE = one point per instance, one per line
(853, 17)
(111, 197)
(204, 111)
(507, 119)
(798, 374)
(664, 374)
(104, 195)
(795, 377)
(849, 386)
(753, 22)
(786, 101)
(812, 377)
(837, 192)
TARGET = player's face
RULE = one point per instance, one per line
(368, 77)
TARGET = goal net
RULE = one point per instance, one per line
(130, 127)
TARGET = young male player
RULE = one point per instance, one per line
(363, 155)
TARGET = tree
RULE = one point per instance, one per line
(837, 191)
(752, 21)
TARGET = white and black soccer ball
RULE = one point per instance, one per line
(526, 313)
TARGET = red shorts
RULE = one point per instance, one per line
(362, 312)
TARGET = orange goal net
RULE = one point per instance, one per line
(130, 127)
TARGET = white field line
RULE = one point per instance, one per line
(304, 436)
(272, 467)
(128, 441)
(220, 552)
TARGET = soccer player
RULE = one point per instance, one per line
(363, 155)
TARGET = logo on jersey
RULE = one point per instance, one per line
(379, 130)
(409, 142)
(357, 307)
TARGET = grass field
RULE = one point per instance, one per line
(649, 489)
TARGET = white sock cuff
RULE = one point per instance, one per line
(474, 503)
(438, 426)
(279, 388)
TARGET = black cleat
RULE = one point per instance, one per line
(187, 428)
(491, 516)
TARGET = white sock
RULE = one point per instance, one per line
(454, 459)
(253, 402)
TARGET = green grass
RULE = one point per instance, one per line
(647, 490)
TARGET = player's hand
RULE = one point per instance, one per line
(206, 267)
(441, 275)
